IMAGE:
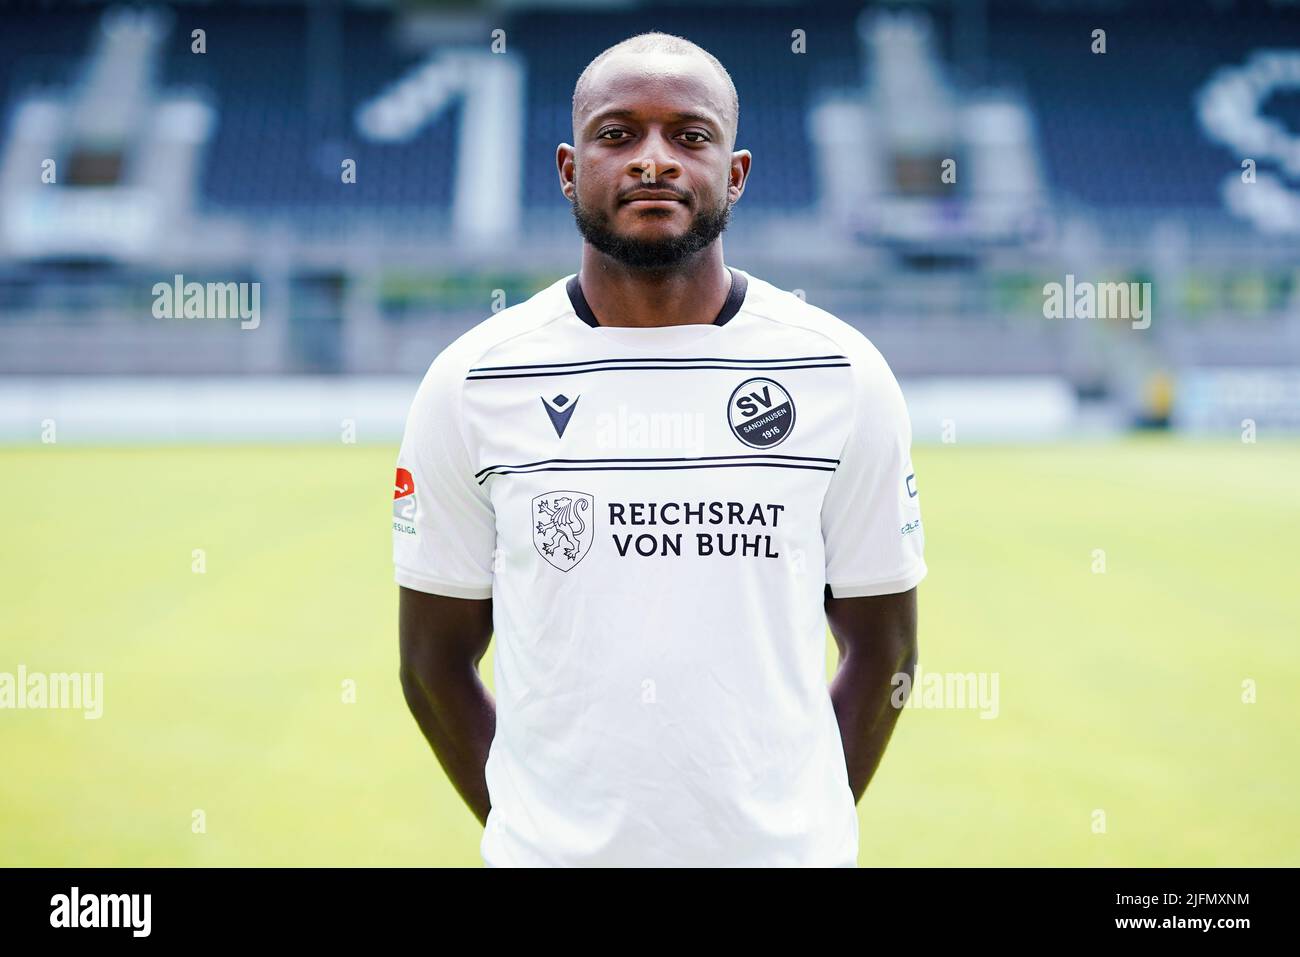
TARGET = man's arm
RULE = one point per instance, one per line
(876, 637)
(442, 642)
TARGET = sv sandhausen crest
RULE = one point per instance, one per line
(563, 527)
(760, 412)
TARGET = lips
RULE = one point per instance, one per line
(663, 198)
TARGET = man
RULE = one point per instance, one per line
(658, 479)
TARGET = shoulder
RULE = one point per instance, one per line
(446, 373)
(783, 308)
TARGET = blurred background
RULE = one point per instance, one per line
(1072, 228)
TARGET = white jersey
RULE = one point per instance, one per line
(656, 514)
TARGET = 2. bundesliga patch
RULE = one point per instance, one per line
(404, 503)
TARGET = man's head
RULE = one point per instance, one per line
(656, 115)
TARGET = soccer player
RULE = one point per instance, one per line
(656, 481)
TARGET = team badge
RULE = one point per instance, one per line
(562, 527)
(760, 413)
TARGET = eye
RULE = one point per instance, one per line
(703, 137)
(603, 134)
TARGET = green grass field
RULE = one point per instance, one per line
(223, 691)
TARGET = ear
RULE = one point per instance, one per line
(740, 163)
(565, 159)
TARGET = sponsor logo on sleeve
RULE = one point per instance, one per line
(912, 505)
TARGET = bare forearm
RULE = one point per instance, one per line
(861, 693)
(457, 715)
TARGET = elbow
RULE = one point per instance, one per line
(904, 651)
(414, 672)
(412, 688)
(428, 674)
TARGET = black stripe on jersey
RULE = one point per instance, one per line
(734, 368)
(660, 468)
(592, 362)
(671, 458)
(698, 461)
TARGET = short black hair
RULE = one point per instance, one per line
(656, 42)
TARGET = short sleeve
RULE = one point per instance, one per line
(871, 515)
(444, 526)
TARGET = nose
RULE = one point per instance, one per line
(654, 162)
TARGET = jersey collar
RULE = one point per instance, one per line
(735, 298)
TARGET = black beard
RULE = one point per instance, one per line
(650, 255)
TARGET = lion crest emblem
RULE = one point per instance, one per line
(562, 527)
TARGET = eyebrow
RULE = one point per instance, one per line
(676, 117)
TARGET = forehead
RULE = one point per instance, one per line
(654, 85)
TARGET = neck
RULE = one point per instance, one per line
(687, 294)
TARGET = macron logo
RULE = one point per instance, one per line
(102, 910)
(560, 410)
